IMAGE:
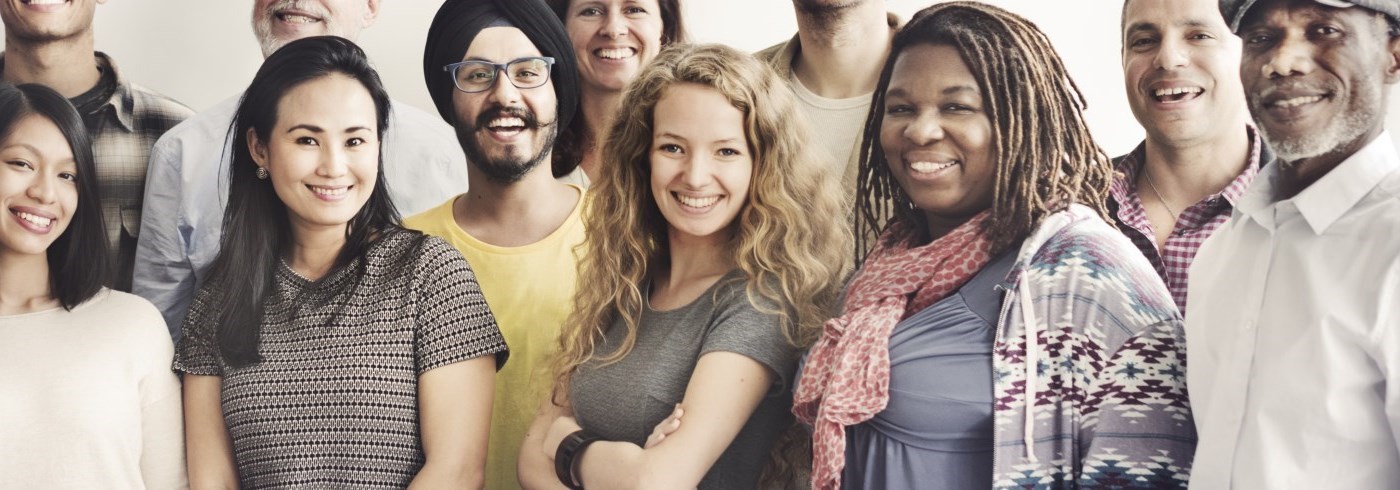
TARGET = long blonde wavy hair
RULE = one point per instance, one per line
(790, 238)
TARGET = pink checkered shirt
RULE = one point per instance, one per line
(1193, 226)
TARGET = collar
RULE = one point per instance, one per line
(122, 103)
(1327, 200)
(1123, 188)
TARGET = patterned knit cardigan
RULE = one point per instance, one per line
(1108, 349)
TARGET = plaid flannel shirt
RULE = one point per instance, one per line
(1195, 224)
(128, 126)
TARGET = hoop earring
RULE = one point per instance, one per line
(261, 173)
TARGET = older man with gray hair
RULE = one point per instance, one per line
(1294, 327)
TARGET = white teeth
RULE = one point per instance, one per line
(297, 19)
(616, 53)
(46, 2)
(328, 191)
(697, 202)
(930, 167)
(1297, 101)
(39, 221)
(1163, 92)
(507, 123)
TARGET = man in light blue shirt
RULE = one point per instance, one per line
(187, 183)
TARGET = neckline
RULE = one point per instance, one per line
(709, 291)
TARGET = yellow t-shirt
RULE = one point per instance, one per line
(530, 290)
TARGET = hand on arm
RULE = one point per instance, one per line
(723, 392)
(208, 449)
(665, 428)
(454, 411)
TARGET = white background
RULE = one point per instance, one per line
(203, 51)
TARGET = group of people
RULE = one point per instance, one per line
(886, 253)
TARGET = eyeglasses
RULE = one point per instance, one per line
(479, 76)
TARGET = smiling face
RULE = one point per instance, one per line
(1315, 76)
(506, 131)
(322, 156)
(47, 20)
(38, 186)
(1181, 69)
(700, 162)
(278, 22)
(937, 137)
(613, 39)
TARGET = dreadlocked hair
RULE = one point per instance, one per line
(784, 238)
(1045, 156)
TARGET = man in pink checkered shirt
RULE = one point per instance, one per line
(1181, 70)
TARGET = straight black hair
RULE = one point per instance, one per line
(79, 264)
(256, 226)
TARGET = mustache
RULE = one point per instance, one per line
(531, 120)
(300, 5)
(1291, 84)
(1171, 75)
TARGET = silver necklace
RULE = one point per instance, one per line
(1157, 192)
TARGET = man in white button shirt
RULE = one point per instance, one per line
(1294, 327)
(187, 182)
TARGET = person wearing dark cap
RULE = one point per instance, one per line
(1294, 332)
(503, 74)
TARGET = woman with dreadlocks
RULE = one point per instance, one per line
(1001, 334)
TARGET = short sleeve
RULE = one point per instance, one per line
(454, 322)
(198, 350)
(742, 328)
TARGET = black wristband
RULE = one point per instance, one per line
(567, 452)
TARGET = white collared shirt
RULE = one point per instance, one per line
(1294, 333)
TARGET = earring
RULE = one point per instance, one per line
(261, 173)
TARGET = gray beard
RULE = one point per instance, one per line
(1352, 124)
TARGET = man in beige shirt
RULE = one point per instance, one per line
(834, 63)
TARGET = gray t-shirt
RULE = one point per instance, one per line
(625, 400)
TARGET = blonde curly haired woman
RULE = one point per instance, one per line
(715, 247)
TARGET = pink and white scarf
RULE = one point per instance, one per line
(846, 380)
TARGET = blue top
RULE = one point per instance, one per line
(936, 431)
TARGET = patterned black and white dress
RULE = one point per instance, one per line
(334, 402)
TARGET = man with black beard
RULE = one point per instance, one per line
(503, 73)
(1294, 327)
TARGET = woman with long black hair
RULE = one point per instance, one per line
(328, 346)
(87, 399)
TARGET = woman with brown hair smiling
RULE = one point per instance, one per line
(712, 260)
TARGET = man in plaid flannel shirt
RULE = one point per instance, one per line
(1181, 71)
(52, 44)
